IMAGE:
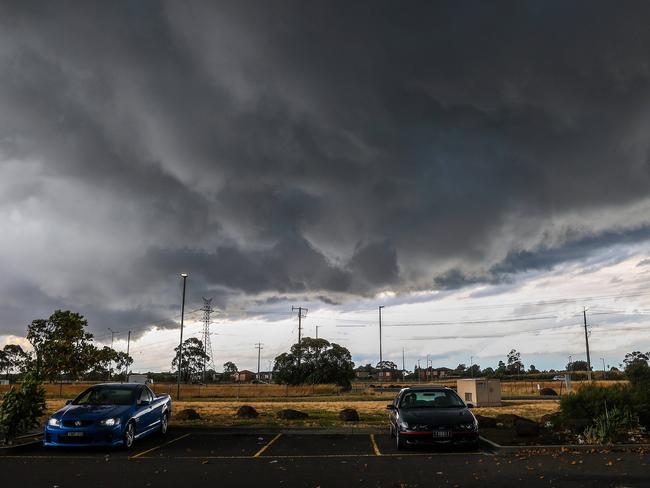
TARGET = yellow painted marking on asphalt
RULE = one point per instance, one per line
(320, 456)
(140, 454)
(374, 445)
(259, 453)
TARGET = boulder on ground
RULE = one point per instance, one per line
(247, 412)
(507, 419)
(485, 422)
(526, 427)
(349, 415)
(187, 414)
(548, 392)
(290, 414)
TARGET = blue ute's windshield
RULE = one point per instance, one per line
(106, 395)
(431, 399)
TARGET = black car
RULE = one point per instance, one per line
(433, 415)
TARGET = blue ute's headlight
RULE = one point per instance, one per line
(110, 422)
(54, 422)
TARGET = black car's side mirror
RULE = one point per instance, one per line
(391, 407)
(470, 405)
(68, 402)
(143, 403)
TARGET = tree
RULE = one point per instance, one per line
(15, 359)
(532, 369)
(62, 345)
(461, 369)
(474, 370)
(577, 366)
(515, 365)
(229, 369)
(501, 368)
(382, 365)
(636, 357)
(488, 372)
(314, 361)
(192, 360)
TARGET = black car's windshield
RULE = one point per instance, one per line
(431, 399)
(106, 395)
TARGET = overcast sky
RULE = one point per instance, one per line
(482, 169)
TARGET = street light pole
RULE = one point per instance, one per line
(317, 332)
(471, 365)
(604, 370)
(180, 346)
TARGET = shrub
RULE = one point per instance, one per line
(591, 402)
(608, 425)
(22, 409)
(638, 373)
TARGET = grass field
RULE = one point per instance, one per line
(359, 391)
(372, 413)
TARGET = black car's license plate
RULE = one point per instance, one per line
(75, 434)
(441, 433)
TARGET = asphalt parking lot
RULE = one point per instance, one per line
(205, 458)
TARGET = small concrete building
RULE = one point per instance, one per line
(480, 391)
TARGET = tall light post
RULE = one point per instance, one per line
(604, 370)
(180, 346)
(471, 365)
(317, 331)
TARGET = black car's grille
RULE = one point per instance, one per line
(77, 423)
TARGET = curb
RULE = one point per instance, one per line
(247, 430)
(505, 450)
(8, 450)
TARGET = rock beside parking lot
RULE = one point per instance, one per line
(349, 415)
(486, 422)
(526, 427)
(187, 414)
(247, 412)
(290, 414)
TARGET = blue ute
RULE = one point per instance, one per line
(109, 415)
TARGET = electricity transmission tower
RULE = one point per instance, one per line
(207, 344)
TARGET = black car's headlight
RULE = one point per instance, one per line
(402, 425)
(468, 426)
(54, 422)
(112, 422)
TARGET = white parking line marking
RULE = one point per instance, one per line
(374, 445)
(140, 454)
(259, 453)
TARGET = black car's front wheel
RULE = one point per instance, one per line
(129, 435)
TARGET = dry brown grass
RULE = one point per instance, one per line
(324, 413)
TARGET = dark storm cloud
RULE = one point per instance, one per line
(330, 149)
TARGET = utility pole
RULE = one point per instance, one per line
(403, 368)
(604, 370)
(471, 365)
(207, 343)
(584, 314)
(317, 332)
(111, 363)
(301, 310)
(128, 346)
(259, 348)
(380, 353)
(180, 345)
